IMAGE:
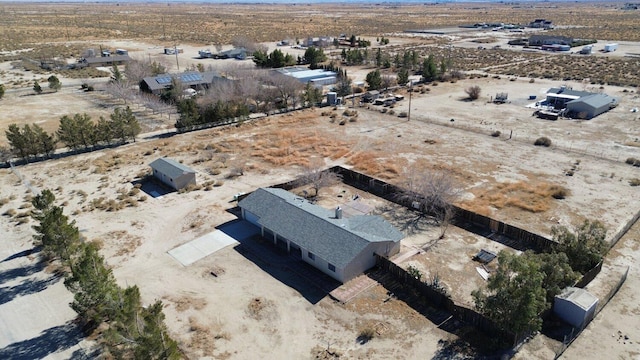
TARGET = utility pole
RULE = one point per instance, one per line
(410, 93)
(175, 50)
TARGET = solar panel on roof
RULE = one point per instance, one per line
(191, 77)
(164, 80)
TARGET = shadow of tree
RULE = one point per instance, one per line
(27, 287)
(23, 271)
(408, 221)
(23, 253)
(52, 340)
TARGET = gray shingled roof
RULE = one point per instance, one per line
(170, 167)
(338, 241)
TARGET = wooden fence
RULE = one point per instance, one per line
(442, 301)
(519, 239)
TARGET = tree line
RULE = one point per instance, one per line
(132, 330)
(524, 286)
(78, 132)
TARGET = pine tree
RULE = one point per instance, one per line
(36, 87)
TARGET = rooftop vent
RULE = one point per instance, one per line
(338, 212)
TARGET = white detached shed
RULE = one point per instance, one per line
(172, 173)
(575, 306)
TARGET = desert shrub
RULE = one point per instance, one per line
(634, 182)
(10, 213)
(558, 192)
(542, 141)
(366, 334)
(532, 80)
(402, 114)
(4, 201)
(633, 161)
(391, 112)
(473, 92)
(496, 133)
(342, 122)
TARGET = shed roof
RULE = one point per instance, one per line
(580, 297)
(338, 241)
(187, 78)
(106, 59)
(567, 93)
(171, 167)
(595, 100)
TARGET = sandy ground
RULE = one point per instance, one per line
(215, 317)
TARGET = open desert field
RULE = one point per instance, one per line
(241, 301)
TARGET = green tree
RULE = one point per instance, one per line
(403, 76)
(17, 141)
(189, 114)
(95, 292)
(584, 247)
(116, 75)
(314, 56)
(45, 143)
(103, 132)
(312, 95)
(1, 91)
(54, 83)
(58, 237)
(374, 79)
(429, 69)
(36, 87)
(154, 342)
(515, 296)
(557, 273)
(261, 59)
(343, 86)
(124, 124)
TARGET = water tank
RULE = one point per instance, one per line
(332, 98)
(338, 212)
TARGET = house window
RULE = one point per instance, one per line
(332, 267)
(311, 256)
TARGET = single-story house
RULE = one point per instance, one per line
(539, 40)
(105, 60)
(342, 248)
(172, 173)
(541, 24)
(192, 79)
(575, 306)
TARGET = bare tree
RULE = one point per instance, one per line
(317, 178)
(121, 90)
(287, 87)
(473, 92)
(431, 193)
(388, 81)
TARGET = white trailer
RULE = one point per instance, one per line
(610, 47)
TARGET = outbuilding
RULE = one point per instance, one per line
(576, 306)
(590, 106)
(172, 173)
